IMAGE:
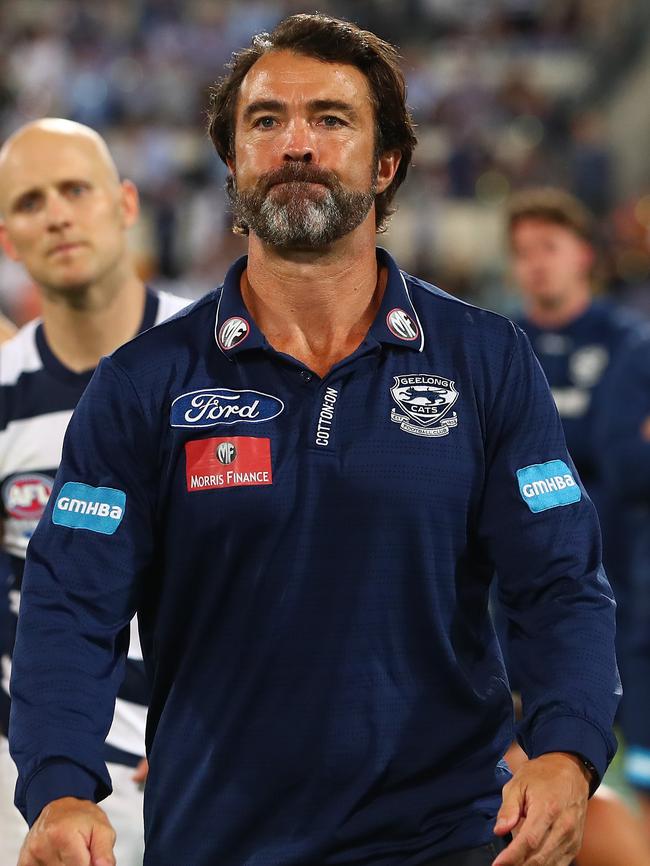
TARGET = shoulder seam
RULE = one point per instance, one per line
(116, 364)
(183, 313)
(441, 295)
(506, 369)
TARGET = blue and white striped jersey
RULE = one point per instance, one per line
(37, 397)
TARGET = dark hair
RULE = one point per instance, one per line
(551, 205)
(334, 41)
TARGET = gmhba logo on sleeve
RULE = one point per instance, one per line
(548, 485)
(80, 506)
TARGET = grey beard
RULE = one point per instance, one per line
(301, 221)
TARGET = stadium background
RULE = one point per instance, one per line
(505, 93)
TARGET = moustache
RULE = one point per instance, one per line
(298, 173)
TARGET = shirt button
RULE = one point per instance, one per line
(306, 376)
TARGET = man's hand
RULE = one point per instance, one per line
(141, 772)
(544, 806)
(70, 832)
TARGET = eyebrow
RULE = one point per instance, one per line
(313, 104)
(332, 105)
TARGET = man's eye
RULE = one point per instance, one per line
(265, 122)
(28, 203)
(332, 120)
(76, 189)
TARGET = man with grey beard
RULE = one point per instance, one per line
(303, 486)
(293, 218)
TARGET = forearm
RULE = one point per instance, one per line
(570, 689)
(67, 665)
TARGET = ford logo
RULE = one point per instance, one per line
(210, 406)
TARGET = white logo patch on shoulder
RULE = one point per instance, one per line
(426, 399)
(401, 325)
(233, 332)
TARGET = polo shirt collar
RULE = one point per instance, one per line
(234, 328)
(396, 323)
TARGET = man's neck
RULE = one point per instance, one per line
(561, 313)
(316, 307)
(79, 333)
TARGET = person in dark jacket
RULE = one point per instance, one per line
(623, 435)
(303, 485)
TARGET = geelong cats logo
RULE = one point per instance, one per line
(425, 400)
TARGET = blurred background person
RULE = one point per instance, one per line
(64, 215)
(578, 339)
(624, 438)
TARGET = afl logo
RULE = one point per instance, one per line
(25, 496)
(226, 453)
(233, 332)
(402, 325)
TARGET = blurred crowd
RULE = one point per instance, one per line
(506, 94)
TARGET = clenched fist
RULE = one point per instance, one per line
(69, 832)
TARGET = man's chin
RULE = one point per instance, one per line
(69, 285)
(547, 294)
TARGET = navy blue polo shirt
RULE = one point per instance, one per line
(310, 561)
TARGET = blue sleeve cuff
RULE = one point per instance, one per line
(571, 734)
(637, 767)
(60, 778)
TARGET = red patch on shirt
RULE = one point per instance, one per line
(231, 461)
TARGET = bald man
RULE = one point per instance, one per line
(64, 213)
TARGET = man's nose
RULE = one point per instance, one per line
(58, 212)
(300, 145)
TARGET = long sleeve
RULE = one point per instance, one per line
(541, 532)
(79, 593)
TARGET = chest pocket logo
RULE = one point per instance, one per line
(426, 399)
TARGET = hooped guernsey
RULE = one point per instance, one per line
(310, 561)
(38, 394)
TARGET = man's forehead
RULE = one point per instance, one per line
(543, 226)
(288, 76)
(45, 157)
